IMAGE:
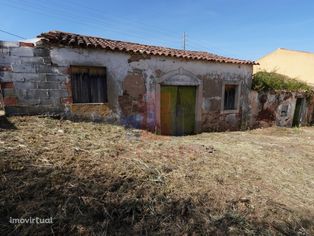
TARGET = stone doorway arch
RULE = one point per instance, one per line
(180, 77)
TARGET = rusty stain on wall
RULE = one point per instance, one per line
(132, 102)
(134, 85)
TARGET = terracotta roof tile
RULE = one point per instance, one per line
(75, 40)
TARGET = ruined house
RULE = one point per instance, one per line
(281, 108)
(285, 108)
(164, 90)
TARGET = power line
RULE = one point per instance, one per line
(15, 35)
(97, 21)
(88, 20)
(108, 24)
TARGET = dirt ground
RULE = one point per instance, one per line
(95, 178)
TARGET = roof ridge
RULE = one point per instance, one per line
(296, 50)
(78, 40)
(122, 41)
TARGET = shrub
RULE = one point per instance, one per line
(266, 81)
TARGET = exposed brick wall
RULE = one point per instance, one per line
(5, 68)
(10, 101)
(26, 44)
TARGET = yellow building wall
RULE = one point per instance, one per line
(295, 64)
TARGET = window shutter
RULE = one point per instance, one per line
(89, 84)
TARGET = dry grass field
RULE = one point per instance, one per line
(101, 179)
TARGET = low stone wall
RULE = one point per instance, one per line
(278, 108)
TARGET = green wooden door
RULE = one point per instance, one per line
(168, 101)
(177, 110)
(185, 115)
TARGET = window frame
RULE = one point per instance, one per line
(71, 72)
(237, 96)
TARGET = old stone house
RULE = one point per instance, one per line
(161, 89)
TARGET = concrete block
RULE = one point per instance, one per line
(21, 93)
(5, 59)
(12, 59)
(42, 68)
(20, 68)
(22, 52)
(51, 94)
(31, 60)
(41, 52)
(6, 76)
(47, 60)
(52, 102)
(38, 93)
(40, 101)
(56, 77)
(25, 85)
(30, 102)
(9, 44)
(28, 77)
(9, 92)
(49, 85)
(58, 93)
(5, 51)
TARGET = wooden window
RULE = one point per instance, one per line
(89, 84)
(230, 97)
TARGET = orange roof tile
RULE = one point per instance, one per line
(75, 40)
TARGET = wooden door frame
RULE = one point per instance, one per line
(180, 77)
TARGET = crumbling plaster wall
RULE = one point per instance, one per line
(36, 80)
(277, 108)
(132, 78)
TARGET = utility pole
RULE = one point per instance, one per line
(184, 40)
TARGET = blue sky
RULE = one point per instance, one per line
(246, 29)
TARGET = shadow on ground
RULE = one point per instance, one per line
(112, 205)
(5, 123)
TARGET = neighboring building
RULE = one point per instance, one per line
(285, 108)
(295, 64)
(281, 108)
(161, 89)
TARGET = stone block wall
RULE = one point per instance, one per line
(30, 83)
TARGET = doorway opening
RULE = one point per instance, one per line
(177, 110)
(297, 117)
